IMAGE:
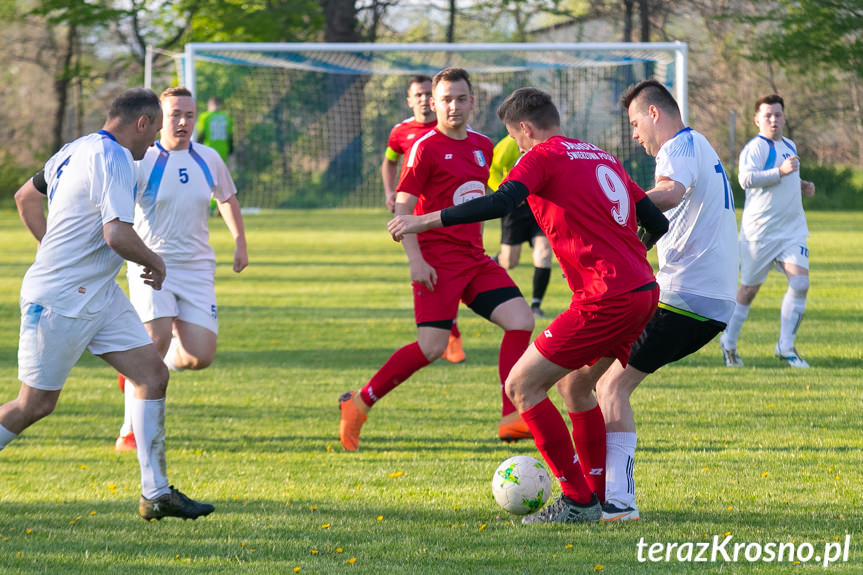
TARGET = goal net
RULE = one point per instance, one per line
(311, 121)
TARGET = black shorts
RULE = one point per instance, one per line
(670, 336)
(519, 226)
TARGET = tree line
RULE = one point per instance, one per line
(65, 60)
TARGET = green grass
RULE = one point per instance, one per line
(763, 452)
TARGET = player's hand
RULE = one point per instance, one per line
(400, 226)
(791, 164)
(391, 202)
(241, 259)
(424, 274)
(154, 275)
(807, 188)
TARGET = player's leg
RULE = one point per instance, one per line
(509, 255)
(49, 345)
(528, 384)
(27, 408)
(432, 336)
(755, 261)
(668, 337)
(355, 405)
(541, 272)
(159, 330)
(791, 313)
(125, 345)
(196, 323)
(195, 347)
(588, 424)
(493, 295)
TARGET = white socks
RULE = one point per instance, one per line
(791, 312)
(732, 331)
(129, 398)
(619, 462)
(148, 420)
(5, 437)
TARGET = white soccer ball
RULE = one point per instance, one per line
(521, 485)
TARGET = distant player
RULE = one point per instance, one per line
(520, 226)
(697, 264)
(215, 129)
(447, 166)
(587, 205)
(176, 180)
(70, 300)
(773, 230)
(402, 137)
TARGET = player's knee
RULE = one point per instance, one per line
(38, 409)
(433, 349)
(799, 285)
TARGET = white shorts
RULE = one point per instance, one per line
(186, 294)
(50, 344)
(756, 258)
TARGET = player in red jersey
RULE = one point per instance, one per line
(587, 206)
(402, 137)
(447, 166)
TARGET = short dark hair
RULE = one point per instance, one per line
(770, 99)
(134, 103)
(529, 105)
(418, 79)
(175, 91)
(655, 94)
(452, 75)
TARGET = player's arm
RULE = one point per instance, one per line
(652, 224)
(30, 201)
(807, 188)
(667, 193)
(389, 175)
(122, 238)
(233, 217)
(421, 271)
(751, 172)
(509, 195)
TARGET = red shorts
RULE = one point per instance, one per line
(606, 328)
(457, 283)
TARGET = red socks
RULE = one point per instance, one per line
(552, 439)
(454, 331)
(400, 366)
(588, 433)
(515, 341)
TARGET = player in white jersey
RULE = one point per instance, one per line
(176, 179)
(773, 230)
(69, 297)
(697, 267)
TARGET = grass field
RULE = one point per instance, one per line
(764, 453)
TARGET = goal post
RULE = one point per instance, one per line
(311, 121)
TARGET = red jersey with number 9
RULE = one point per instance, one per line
(584, 201)
(444, 172)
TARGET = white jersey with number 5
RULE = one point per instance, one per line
(174, 198)
(698, 255)
(774, 205)
(90, 183)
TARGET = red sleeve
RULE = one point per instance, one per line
(414, 172)
(394, 142)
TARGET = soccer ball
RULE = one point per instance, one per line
(521, 485)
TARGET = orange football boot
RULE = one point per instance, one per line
(513, 431)
(351, 421)
(126, 443)
(454, 353)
